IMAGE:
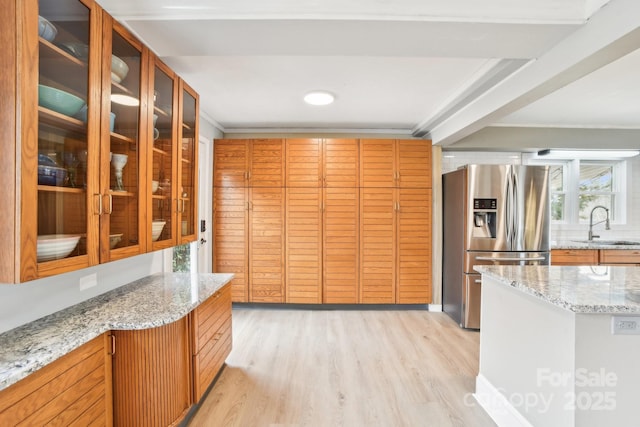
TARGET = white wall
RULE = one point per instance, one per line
(451, 160)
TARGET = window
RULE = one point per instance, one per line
(577, 186)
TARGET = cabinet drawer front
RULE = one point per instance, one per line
(574, 256)
(61, 392)
(210, 319)
(619, 256)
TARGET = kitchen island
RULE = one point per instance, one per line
(549, 355)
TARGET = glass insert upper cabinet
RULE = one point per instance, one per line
(124, 62)
(187, 165)
(162, 166)
(65, 150)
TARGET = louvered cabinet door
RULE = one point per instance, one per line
(377, 163)
(414, 164)
(74, 390)
(377, 245)
(231, 163)
(341, 163)
(341, 245)
(266, 163)
(413, 282)
(304, 164)
(304, 245)
(266, 244)
(230, 225)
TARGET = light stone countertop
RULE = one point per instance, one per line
(595, 244)
(588, 289)
(152, 301)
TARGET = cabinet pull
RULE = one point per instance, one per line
(113, 345)
(110, 204)
(398, 206)
(99, 202)
(182, 206)
(247, 205)
(178, 205)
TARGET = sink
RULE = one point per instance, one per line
(610, 242)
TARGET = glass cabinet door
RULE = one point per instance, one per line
(121, 156)
(66, 64)
(163, 166)
(188, 150)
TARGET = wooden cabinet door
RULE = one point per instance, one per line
(377, 163)
(413, 284)
(414, 164)
(152, 375)
(304, 162)
(266, 244)
(620, 256)
(304, 245)
(574, 257)
(73, 390)
(377, 245)
(341, 245)
(187, 153)
(230, 231)
(340, 163)
(266, 163)
(231, 162)
(211, 339)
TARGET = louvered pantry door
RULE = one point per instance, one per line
(266, 244)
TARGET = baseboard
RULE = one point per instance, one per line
(437, 308)
(497, 405)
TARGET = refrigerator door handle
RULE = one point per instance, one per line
(488, 258)
(515, 211)
(507, 212)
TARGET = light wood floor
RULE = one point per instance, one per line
(346, 368)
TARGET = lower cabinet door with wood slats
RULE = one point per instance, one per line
(74, 390)
(211, 339)
(152, 375)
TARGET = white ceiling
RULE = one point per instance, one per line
(439, 68)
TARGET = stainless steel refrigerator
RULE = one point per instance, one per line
(492, 214)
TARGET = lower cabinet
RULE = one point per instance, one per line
(628, 257)
(151, 375)
(574, 257)
(211, 339)
(75, 390)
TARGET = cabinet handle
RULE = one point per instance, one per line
(249, 175)
(178, 205)
(99, 202)
(113, 345)
(110, 204)
(247, 205)
(182, 206)
(398, 206)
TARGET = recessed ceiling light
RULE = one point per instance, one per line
(319, 97)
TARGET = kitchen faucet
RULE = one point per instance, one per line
(607, 225)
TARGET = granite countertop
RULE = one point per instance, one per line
(596, 244)
(588, 289)
(152, 301)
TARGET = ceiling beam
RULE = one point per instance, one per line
(611, 33)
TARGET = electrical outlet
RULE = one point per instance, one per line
(88, 281)
(625, 325)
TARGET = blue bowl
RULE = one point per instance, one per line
(82, 115)
(59, 100)
(46, 29)
(51, 175)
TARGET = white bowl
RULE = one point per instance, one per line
(56, 246)
(156, 229)
(46, 29)
(154, 186)
(114, 239)
(119, 69)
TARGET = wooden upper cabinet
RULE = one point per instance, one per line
(231, 162)
(377, 163)
(304, 162)
(186, 187)
(414, 164)
(341, 160)
(266, 163)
